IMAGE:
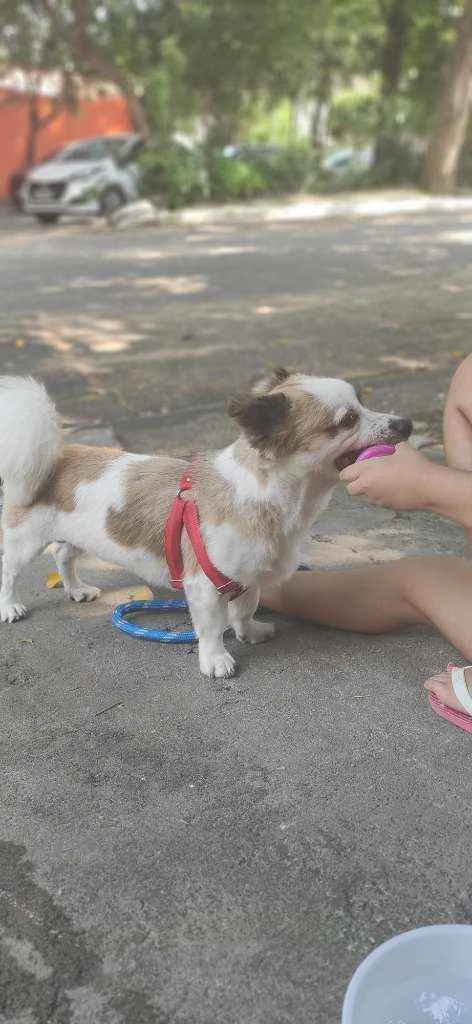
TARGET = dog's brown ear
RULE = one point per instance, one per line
(264, 382)
(259, 416)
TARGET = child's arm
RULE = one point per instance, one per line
(408, 480)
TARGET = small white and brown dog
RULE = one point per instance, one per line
(256, 498)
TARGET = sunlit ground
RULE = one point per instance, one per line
(147, 328)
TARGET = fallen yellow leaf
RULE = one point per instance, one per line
(19, 343)
(53, 580)
(139, 594)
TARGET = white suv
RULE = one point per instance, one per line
(93, 176)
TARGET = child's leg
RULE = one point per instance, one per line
(458, 451)
(368, 599)
(458, 418)
(435, 590)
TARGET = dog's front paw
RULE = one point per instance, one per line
(217, 666)
(11, 612)
(84, 593)
(259, 632)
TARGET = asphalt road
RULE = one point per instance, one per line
(173, 851)
(149, 330)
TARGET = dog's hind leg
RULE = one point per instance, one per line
(241, 612)
(20, 545)
(65, 557)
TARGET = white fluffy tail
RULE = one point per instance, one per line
(30, 438)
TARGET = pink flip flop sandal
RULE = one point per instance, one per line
(462, 719)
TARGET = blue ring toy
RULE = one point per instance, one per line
(164, 636)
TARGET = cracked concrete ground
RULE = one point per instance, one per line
(174, 851)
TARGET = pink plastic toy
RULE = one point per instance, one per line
(375, 452)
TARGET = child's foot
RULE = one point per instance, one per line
(441, 685)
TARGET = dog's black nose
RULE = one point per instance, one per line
(401, 427)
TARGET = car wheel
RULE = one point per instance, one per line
(111, 200)
(47, 218)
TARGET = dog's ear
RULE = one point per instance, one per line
(259, 416)
(264, 382)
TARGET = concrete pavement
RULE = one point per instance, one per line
(175, 851)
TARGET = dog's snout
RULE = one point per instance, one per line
(402, 427)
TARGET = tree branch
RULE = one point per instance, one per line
(93, 61)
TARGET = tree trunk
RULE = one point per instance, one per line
(322, 96)
(320, 118)
(35, 125)
(133, 103)
(33, 129)
(223, 128)
(452, 113)
(386, 149)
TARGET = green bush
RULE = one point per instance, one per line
(173, 176)
(249, 176)
(234, 179)
(354, 117)
(292, 170)
(178, 177)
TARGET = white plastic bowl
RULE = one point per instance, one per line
(419, 977)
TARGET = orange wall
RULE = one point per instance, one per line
(100, 116)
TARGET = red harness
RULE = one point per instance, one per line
(184, 513)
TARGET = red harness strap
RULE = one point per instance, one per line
(184, 513)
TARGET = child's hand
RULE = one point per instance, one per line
(396, 481)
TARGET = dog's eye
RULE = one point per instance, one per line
(349, 420)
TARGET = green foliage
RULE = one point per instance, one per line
(293, 170)
(430, 36)
(270, 121)
(354, 116)
(290, 170)
(173, 176)
(166, 98)
(240, 70)
(177, 178)
(235, 50)
(234, 179)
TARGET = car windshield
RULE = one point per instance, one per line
(94, 149)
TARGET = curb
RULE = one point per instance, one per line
(309, 210)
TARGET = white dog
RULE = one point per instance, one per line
(256, 499)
